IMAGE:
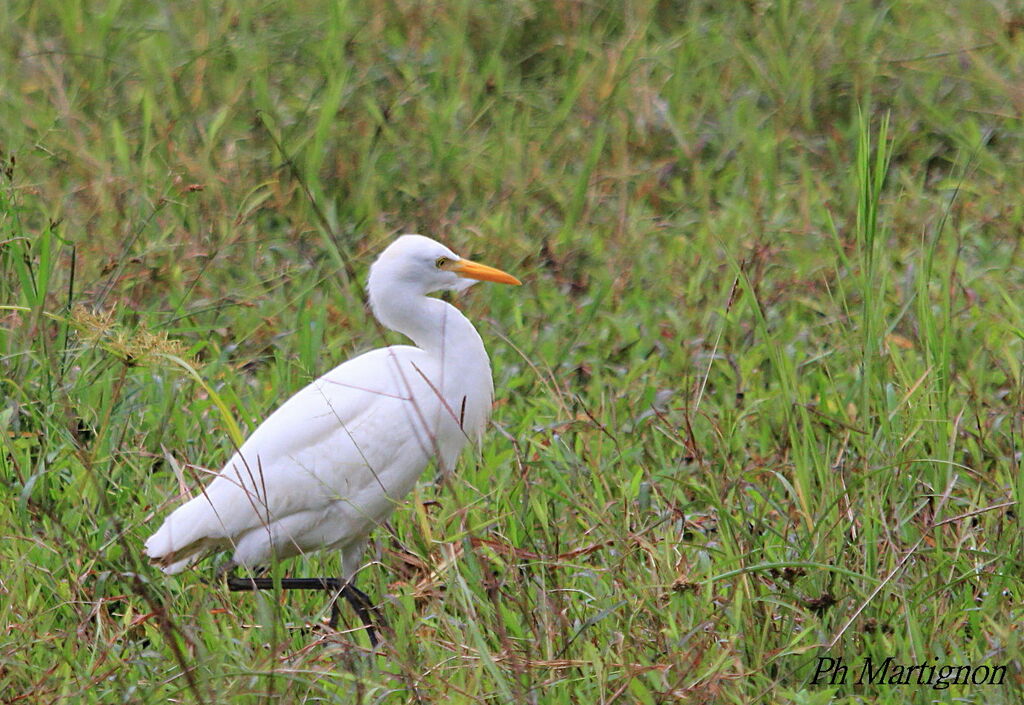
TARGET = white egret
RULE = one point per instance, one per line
(335, 459)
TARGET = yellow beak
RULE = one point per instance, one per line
(474, 270)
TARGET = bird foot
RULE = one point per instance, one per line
(360, 601)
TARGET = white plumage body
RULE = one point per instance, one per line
(334, 460)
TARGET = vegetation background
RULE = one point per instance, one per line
(759, 400)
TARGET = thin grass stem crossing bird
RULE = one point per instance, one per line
(334, 461)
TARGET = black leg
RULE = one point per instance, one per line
(364, 607)
(360, 601)
(247, 584)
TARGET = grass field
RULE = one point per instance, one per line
(759, 400)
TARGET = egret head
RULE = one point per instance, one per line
(428, 266)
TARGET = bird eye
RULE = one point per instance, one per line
(441, 262)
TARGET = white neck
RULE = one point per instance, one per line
(437, 327)
(462, 374)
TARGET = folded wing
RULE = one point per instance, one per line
(311, 476)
